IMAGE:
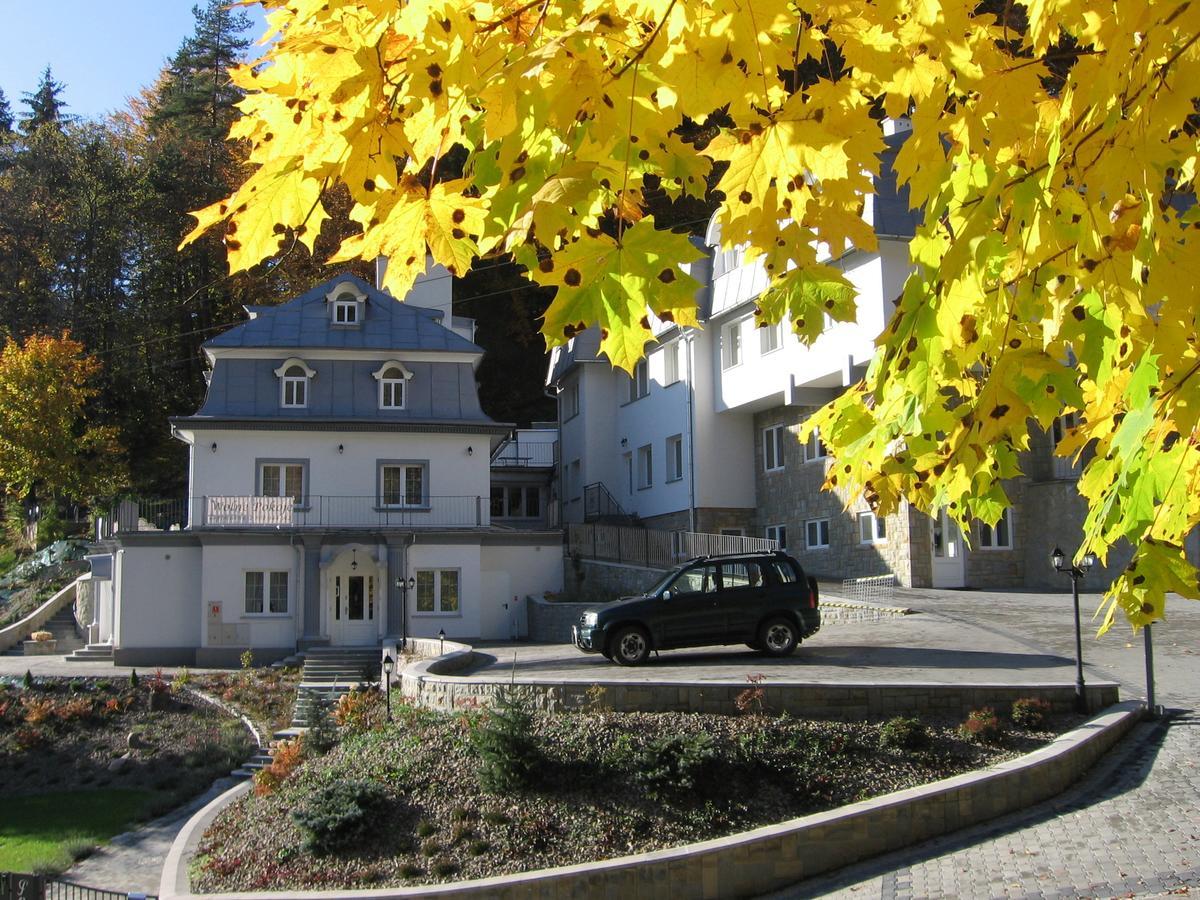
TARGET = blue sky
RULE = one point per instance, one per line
(103, 51)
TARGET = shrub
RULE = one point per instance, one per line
(339, 814)
(504, 744)
(478, 848)
(672, 763)
(360, 710)
(322, 735)
(39, 710)
(1030, 712)
(158, 684)
(79, 708)
(27, 682)
(247, 659)
(444, 867)
(285, 759)
(426, 829)
(903, 733)
(410, 870)
(181, 680)
(41, 637)
(981, 726)
(133, 678)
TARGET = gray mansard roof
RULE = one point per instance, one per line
(245, 388)
(304, 323)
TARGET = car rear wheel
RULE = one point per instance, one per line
(778, 636)
(630, 646)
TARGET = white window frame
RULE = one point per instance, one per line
(392, 375)
(820, 529)
(731, 344)
(639, 381)
(671, 363)
(989, 536)
(347, 304)
(281, 478)
(870, 524)
(776, 533)
(814, 448)
(405, 466)
(436, 580)
(645, 467)
(772, 448)
(297, 383)
(267, 595)
(674, 457)
(345, 312)
(770, 338)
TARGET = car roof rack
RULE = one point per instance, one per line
(716, 557)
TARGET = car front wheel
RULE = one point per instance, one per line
(778, 636)
(630, 646)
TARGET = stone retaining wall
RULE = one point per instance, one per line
(593, 581)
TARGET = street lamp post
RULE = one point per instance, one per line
(388, 665)
(1076, 572)
(404, 586)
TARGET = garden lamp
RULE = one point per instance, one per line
(1075, 572)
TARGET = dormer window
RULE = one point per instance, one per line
(393, 389)
(346, 305)
(293, 376)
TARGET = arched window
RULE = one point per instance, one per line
(393, 389)
(293, 383)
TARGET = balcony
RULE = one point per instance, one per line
(525, 454)
(319, 511)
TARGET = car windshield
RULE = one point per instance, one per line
(662, 583)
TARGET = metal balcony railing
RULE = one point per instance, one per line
(525, 454)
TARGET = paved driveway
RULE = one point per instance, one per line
(1131, 828)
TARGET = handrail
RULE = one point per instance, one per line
(20, 630)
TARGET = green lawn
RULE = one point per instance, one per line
(44, 832)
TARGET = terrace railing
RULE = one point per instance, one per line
(652, 548)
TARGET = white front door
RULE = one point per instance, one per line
(353, 598)
(949, 563)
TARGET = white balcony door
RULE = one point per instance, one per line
(949, 562)
(354, 599)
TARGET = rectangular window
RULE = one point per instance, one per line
(776, 533)
(998, 537)
(282, 480)
(645, 466)
(402, 484)
(345, 312)
(871, 529)
(671, 363)
(391, 393)
(731, 345)
(773, 447)
(438, 591)
(814, 447)
(295, 393)
(816, 534)
(266, 591)
(771, 338)
(675, 457)
(570, 401)
(639, 382)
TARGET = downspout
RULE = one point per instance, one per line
(689, 346)
(552, 393)
(404, 593)
(299, 592)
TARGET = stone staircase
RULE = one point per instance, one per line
(62, 626)
(330, 672)
(92, 653)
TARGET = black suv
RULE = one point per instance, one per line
(760, 599)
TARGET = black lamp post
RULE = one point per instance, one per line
(388, 665)
(404, 586)
(1076, 572)
(441, 641)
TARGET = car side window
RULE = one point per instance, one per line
(784, 572)
(741, 575)
(700, 580)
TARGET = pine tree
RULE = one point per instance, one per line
(45, 105)
(6, 118)
(504, 744)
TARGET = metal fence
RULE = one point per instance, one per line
(655, 549)
(18, 886)
(875, 589)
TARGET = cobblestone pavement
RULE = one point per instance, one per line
(1130, 828)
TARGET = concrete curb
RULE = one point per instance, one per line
(757, 861)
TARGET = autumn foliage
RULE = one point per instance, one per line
(1052, 159)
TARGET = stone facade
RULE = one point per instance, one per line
(709, 520)
(593, 581)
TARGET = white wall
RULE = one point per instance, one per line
(223, 581)
(465, 558)
(230, 471)
(159, 591)
(588, 436)
(517, 571)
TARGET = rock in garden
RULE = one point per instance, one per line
(119, 763)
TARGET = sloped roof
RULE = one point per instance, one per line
(304, 323)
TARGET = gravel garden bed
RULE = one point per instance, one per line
(437, 797)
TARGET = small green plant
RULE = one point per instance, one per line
(27, 681)
(50, 527)
(751, 699)
(493, 817)
(901, 733)
(339, 814)
(133, 678)
(1030, 712)
(322, 734)
(459, 833)
(79, 848)
(459, 813)
(478, 848)
(504, 745)
(426, 829)
(673, 763)
(411, 870)
(597, 698)
(444, 867)
(981, 726)
(247, 659)
(430, 848)
(181, 680)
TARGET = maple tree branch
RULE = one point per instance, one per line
(641, 51)
(628, 147)
(515, 14)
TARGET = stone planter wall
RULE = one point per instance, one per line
(41, 648)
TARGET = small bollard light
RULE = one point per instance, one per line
(441, 641)
(389, 664)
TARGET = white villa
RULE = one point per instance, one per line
(341, 493)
